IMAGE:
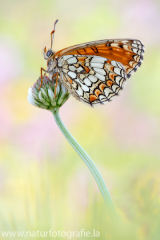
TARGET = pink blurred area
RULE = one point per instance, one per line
(11, 59)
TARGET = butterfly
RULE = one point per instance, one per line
(94, 72)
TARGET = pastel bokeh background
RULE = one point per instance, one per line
(43, 183)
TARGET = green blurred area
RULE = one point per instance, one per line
(43, 183)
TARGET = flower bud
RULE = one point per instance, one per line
(44, 97)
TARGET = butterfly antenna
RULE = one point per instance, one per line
(52, 33)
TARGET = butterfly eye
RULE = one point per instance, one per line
(49, 53)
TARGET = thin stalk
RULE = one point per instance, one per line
(88, 161)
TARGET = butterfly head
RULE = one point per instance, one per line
(48, 53)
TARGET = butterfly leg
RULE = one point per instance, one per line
(42, 69)
(56, 74)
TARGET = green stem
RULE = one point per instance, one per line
(88, 161)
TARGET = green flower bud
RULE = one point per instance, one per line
(44, 97)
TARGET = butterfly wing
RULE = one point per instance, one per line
(128, 52)
(91, 79)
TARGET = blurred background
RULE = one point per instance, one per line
(43, 182)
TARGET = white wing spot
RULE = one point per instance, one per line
(118, 79)
(134, 45)
(117, 71)
(100, 77)
(60, 62)
(72, 68)
(121, 82)
(72, 60)
(97, 65)
(72, 74)
(98, 59)
(135, 41)
(68, 56)
(79, 69)
(114, 87)
(107, 91)
(114, 63)
(125, 41)
(79, 91)
(139, 52)
(114, 44)
(100, 71)
(85, 88)
(135, 50)
(122, 73)
(92, 78)
(87, 82)
(102, 98)
(117, 89)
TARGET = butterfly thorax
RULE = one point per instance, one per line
(51, 64)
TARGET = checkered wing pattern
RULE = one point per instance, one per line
(91, 79)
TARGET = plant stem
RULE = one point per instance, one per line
(88, 161)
